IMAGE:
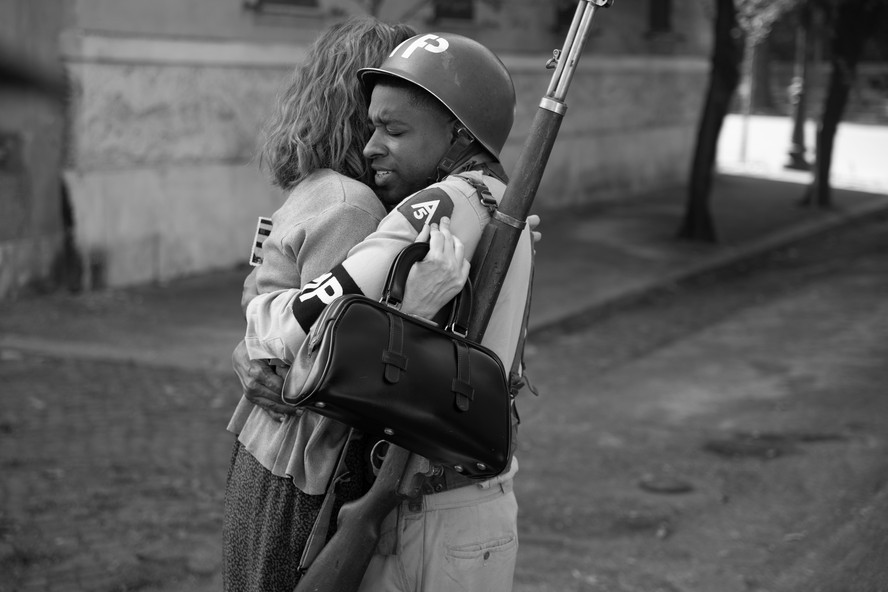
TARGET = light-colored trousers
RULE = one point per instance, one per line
(461, 540)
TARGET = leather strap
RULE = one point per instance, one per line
(396, 281)
(393, 358)
(462, 147)
(489, 169)
(462, 385)
(517, 378)
(318, 536)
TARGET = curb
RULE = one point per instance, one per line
(731, 256)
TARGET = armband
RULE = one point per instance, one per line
(320, 292)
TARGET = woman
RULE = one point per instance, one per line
(281, 464)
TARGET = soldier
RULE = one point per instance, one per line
(442, 107)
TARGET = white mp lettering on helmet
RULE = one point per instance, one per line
(440, 45)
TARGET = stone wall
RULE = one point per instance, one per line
(503, 25)
(145, 170)
(161, 171)
(32, 229)
(629, 126)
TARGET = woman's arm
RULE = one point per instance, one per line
(278, 322)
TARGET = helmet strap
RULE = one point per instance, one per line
(461, 148)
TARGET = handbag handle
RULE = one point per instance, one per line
(396, 280)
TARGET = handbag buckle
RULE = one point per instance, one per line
(458, 331)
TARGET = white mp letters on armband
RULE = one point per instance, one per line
(320, 292)
(325, 288)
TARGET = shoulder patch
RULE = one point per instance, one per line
(426, 207)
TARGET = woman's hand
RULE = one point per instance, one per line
(435, 280)
(261, 384)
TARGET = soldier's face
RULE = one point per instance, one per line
(408, 140)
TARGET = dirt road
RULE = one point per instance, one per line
(727, 436)
(723, 437)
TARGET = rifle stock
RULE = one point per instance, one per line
(341, 564)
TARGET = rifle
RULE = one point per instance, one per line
(341, 564)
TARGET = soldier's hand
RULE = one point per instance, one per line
(435, 280)
(261, 384)
(534, 221)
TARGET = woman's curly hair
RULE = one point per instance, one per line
(321, 120)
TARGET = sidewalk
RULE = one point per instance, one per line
(600, 257)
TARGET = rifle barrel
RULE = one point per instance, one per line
(500, 237)
(573, 47)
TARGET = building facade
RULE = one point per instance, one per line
(155, 175)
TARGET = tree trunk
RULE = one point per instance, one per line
(798, 91)
(855, 22)
(724, 77)
(762, 96)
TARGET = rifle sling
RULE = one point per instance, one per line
(318, 536)
(517, 379)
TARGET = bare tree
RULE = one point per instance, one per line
(737, 23)
(724, 76)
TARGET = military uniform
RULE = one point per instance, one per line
(278, 322)
(459, 535)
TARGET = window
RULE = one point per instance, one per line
(462, 10)
(659, 16)
(282, 5)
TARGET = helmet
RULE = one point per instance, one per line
(461, 73)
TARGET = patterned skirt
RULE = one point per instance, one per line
(267, 520)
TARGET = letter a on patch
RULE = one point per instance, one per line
(426, 207)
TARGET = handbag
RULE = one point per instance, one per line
(405, 380)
